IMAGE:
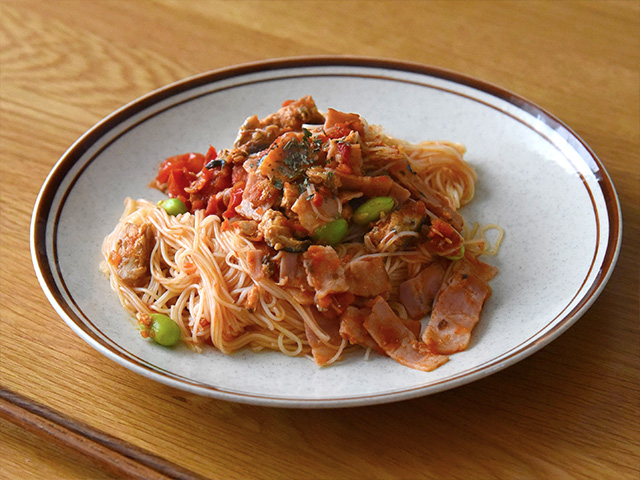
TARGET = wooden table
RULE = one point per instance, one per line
(569, 411)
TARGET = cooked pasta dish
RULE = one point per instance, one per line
(315, 234)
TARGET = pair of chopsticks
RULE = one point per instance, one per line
(111, 453)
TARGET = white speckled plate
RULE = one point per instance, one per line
(537, 179)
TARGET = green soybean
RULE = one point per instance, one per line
(332, 232)
(173, 206)
(372, 210)
(164, 330)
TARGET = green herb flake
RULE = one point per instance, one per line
(290, 144)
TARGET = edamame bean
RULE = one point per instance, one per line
(331, 233)
(173, 206)
(164, 330)
(372, 210)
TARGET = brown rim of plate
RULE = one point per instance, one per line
(85, 327)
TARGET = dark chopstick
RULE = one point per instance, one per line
(111, 453)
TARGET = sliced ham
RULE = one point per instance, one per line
(458, 305)
(339, 124)
(292, 272)
(352, 328)
(367, 277)
(325, 272)
(399, 193)
(258, 197)
(417, 293)
(397, 340)
(307, 215)
(324, 351)
(301, 295)
(379, 186)
(415, 326)
(260, 191)
(293, 278)
(346, 196)
(254, 262)
(346, 153)
(471, 265)
(287, 158)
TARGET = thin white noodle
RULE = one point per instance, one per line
(439, 164)
(339, 351)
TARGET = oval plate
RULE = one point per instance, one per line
(536, 179)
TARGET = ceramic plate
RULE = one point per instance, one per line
(536, 179)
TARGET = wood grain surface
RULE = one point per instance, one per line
(571, 410)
